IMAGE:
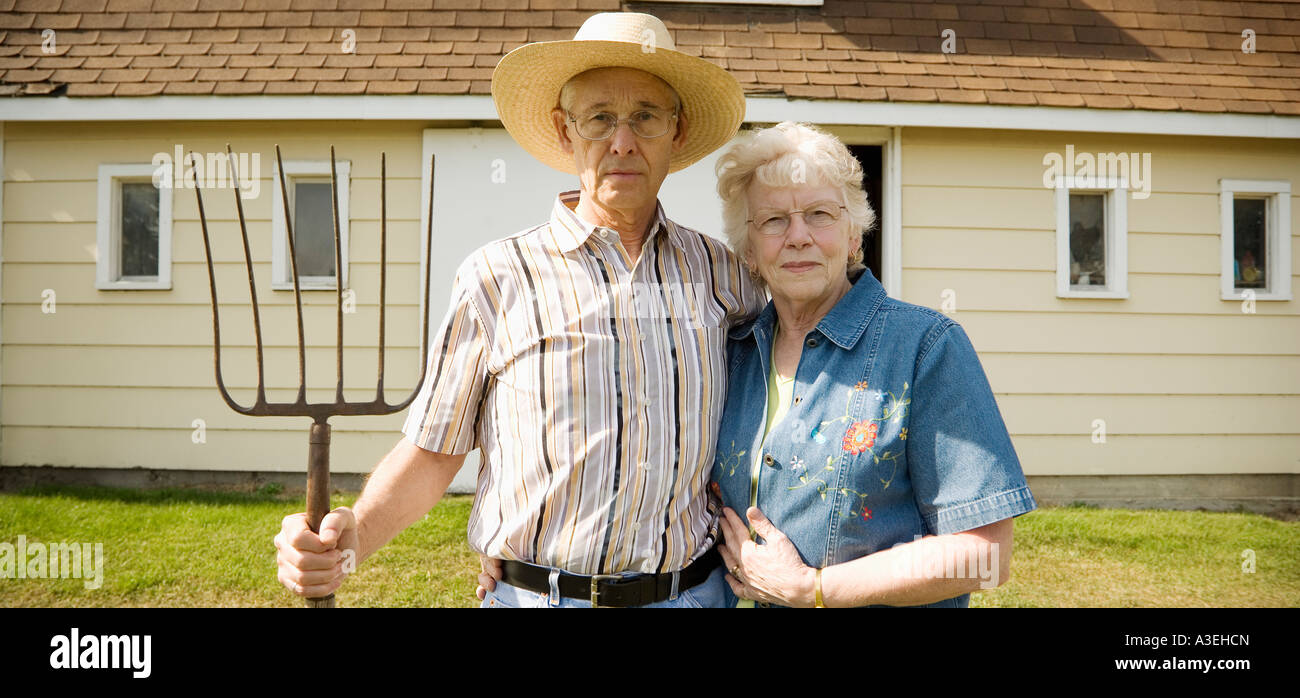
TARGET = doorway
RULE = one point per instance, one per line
(871, 158)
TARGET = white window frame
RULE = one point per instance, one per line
(1277, 194)
(108, 233)
(281, 271)
(1116, 191)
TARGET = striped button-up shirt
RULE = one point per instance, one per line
(594, 386)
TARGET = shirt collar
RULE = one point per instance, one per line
(845, 322)
(571, 230)
(761, 324)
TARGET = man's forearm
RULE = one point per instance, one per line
(405, 485)
(924, 571)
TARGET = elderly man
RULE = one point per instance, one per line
(584, 356)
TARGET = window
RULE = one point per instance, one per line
(134, 227)
(1255, 239)
(1091, 237)
(310, 205)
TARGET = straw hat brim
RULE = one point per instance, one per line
(526, 87)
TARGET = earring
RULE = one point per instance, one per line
(856, 257)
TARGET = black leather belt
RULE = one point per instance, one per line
(610, 589)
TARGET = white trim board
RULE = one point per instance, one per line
(891, 251)
(1023, 118)
(760, 109)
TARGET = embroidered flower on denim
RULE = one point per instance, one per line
(817, 434)
(853, 499)
(860, 436)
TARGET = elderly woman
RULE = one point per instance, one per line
(860, 436)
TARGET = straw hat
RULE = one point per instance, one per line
(526, 84)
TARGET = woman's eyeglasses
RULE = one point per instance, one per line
(818, 216)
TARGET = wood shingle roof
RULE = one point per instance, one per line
(1181, 55)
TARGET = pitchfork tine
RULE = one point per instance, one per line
(297, 293)
(252, 285)
(428, 272)
(338, 269)
(212, 286)
(383, 268)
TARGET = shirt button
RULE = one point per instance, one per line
(798, 399)
(812, 341)
(768, 459)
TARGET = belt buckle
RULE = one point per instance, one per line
(596, 579)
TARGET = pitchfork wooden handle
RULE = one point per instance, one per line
(318, 491)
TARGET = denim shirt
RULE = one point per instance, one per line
(892, 434)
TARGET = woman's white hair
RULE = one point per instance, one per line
(790, 154)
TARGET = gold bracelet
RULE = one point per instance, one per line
(820, 603)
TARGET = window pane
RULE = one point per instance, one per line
(1249, 243)
(1088, 240)
(139, 229)
(313, 228)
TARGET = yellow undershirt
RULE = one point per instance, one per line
(780, 392)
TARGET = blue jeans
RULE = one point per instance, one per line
(707, 594)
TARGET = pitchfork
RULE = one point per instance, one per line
(318, 454)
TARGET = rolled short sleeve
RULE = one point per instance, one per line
(444, 415)
(965, 472)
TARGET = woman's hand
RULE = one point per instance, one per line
(773, 572)
(487, 579)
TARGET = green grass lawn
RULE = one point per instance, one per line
(200, 548)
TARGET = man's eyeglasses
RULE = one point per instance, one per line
(820, 215)
(646, 123)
